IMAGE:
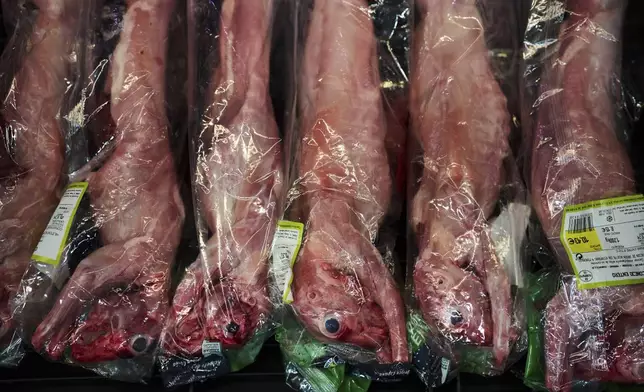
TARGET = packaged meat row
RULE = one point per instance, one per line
(386, 186)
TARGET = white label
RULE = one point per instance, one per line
(51, 244)
(286, 246)
(330, 363)
(605, 241)
(444, 370)
(210, 348)
(507, 232)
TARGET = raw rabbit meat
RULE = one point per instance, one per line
(580, 159)
(461, 122)
(115, 303)
(577, 157)
(32, 156)
(238, 184)
(343, 291)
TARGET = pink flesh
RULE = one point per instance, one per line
(572, 314)
(335, 277)
(30, 110)
(134, 196)
(239, 182)
(459, 116)
(344, 174)
(442, 289)
(578, 159)
(616, 355)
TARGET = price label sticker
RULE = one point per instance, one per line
(583, 242)
(604, 241)
(53, 240)
(286, 247)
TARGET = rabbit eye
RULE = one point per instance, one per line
(456, 318)
(332, 326)
(232, 328)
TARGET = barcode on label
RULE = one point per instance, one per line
(283, 270)
(580, 223)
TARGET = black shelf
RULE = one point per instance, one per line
(35, 374)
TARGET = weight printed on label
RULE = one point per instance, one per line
(605, 241)
(53, 240)
(286, 246)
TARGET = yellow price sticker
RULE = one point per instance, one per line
(584, 242)
(286, 247)
(602, 240)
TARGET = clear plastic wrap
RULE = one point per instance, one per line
(583, 188)
(334, 260)
(35, 68)
(96, 291)
(468, 211)
(221, 314)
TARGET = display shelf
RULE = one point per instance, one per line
(265, 375)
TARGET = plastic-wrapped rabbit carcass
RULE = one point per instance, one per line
(333, 257)
(221, 314)
(96, 292)
(34, 71)
(467, 207)
(584, 192)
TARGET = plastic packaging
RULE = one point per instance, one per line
(467, 210)
(334, 259)
(577, 138)
(221, 314)
(96, 292)
(34, 70)
(541, 286)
